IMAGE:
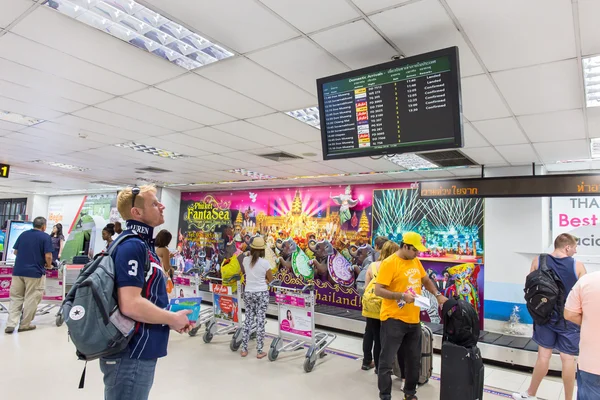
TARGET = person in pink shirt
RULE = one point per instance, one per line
(583, 308)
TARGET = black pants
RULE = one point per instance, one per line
(394, 334)
(372, 337)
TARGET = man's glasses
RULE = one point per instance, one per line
(135, 191)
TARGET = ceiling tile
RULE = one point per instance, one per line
(589, 10)
(84, 125)
(425, 26)
(299, 61)
(513, 33)
(312, 15)
(178, 106)
(481, 100)
(542, 88)
(174, 143)
(435, 174)
(356, 44)
(501, 131)
(109, 118)
(287, 126)
(518, 153)
(297, 149)
(11, 10)
(48, 83)
(27, 109)
(563, 151)
(242, 157)
(322, 168)
(260, 84)
(151, 115)
(215, 96)
(23, 51)
(554, 126)
(39, 98)
(368, 6)
(51, 131)
(464, 172)
(231, 141)
(346, 166)
(60, 32)
(242, 25)
(254, 133)
(473, 138)
(191, 141)
(484, 155)
(378, 164)
(294, 170)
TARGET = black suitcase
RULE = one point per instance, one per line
(462, 373)
(81, 260)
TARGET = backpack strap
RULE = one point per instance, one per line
(124, 236)
(543, 262)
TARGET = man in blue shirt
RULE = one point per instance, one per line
(34, 255)
(142, 297)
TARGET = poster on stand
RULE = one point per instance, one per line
(184, 287)
(296, 321)
(53, 289)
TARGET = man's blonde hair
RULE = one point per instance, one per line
(563, 240)
(125, 197)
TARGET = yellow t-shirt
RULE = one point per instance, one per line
(401, 276)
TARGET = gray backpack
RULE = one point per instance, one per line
(91, 309)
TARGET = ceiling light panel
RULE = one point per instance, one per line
(595, 147)
(155, 151)
(591, 78)
(18, 118)
(145, 29)
(61, 165)
(251, 174)
(309, 116)
(410, 161)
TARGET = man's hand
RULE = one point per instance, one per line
(441, 299)
(180, 322)
(408, 298)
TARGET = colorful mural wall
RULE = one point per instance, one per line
(325, 235)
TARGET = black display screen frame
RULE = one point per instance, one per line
(454, 99)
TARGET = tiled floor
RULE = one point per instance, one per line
(42, 365)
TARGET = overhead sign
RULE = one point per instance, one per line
(4, 170)
(520, 186)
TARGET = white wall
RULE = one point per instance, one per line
(37, 206)
(171, 199)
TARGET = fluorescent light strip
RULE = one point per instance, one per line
(143, 28)
(410, 161)
(309, 116)
(18, 118)
(61, 165)
(591, 79)
(595, 147)
(251, 174)
(151, 150)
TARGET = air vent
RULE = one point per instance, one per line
(448, 158)
(39, 181)
(154, 170)
(280, 156)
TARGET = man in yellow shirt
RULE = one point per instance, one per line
(399, 282)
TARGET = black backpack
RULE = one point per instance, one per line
(544, 293)
(461, 323)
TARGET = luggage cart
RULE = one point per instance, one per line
(226, 310)
(206, 315)
(69, 274)
(296, 311)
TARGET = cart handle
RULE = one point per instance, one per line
(277, 284)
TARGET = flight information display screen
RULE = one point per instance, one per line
(403, 106)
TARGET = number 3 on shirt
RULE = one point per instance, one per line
(134, 266)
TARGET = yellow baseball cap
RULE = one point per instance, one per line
(414, 239)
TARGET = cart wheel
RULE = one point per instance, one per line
(273, 352)
(236, 341)
(194, 331)
(309, 364)
(322, 354)
(207, 337)
(59, 320)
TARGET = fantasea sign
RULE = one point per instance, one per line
(207, 214)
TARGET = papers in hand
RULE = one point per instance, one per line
(422, 302)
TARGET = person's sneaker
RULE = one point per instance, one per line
(410, 397)
(27, 328)
(366, 367)
(9, 330)
(523, 396)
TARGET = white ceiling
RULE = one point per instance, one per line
(522, 88)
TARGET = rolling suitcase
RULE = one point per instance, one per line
(462, 373)
(426, 357)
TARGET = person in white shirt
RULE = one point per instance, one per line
(256, 295)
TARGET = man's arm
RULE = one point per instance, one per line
(384, 292)
(48, 257)
(15, 252)
(534, 264)
(432, 288)
(574, 317)
(134, 306)
(580, 269)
